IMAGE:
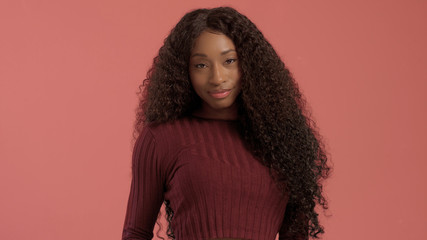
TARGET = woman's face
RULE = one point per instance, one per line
(215, 74)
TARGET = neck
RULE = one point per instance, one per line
(222, 114)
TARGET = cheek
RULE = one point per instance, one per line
(197, 86)
(237, 77)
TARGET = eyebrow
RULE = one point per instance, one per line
(204, 55)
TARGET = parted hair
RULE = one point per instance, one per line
(274, 118)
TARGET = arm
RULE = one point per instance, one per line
(146, 192)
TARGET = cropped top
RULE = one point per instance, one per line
(215, 186)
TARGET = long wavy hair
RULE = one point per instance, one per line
(275, 122)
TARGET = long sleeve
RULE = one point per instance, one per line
(215, 186)
(146, 192)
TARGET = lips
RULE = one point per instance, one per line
(220, 93)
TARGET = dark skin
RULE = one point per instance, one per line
(215, 75)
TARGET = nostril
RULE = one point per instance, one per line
(217, 77)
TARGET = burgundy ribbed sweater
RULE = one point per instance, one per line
(216, 188)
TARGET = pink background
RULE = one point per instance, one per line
(69, 71)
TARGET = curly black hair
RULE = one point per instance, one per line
(275, 122)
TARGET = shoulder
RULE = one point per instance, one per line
(161, 143)
(176, 134)
(168, 130)
(156, 143)
(166, 137)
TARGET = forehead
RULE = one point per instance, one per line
(211, 42)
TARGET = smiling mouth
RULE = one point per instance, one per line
(220, 94)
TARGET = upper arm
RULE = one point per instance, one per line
(146, 192)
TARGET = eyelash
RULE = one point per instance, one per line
(228, 61)
(231, 59)
(197, 65)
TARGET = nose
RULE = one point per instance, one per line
(217, 76)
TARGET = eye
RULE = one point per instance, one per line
(230, 61)
(200, 65)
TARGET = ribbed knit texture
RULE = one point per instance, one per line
(216, 188)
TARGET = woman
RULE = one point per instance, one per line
(223, 138)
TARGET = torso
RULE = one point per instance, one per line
(215, 186)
